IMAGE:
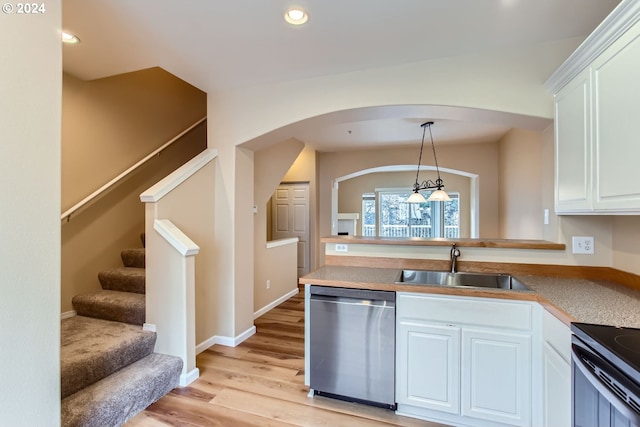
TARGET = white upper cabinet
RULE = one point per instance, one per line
(597, 109)
(573, 145)
(616, 140)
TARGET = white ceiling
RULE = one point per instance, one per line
(215, 45)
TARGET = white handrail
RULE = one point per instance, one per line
(178, 176)
(82, 203)
(175, 237)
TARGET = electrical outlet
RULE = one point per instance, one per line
(342, 247)
(583, 245)
(268, 283)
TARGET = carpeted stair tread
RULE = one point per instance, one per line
(116, 399)
(125, 279)
(127, 307)
(92, 349)
(133, 257)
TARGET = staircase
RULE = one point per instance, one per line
(109, 371)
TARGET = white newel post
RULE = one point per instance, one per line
(170, 291)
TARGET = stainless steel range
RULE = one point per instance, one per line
(605, 376)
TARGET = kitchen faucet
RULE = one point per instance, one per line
(455, 253)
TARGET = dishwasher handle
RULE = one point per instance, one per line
(363, 294)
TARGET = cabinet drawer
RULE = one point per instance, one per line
(485, 312)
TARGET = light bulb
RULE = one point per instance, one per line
(296, 16)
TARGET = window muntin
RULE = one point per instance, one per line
(369, 214)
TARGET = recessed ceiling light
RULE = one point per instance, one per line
(69, 38)
(296, 16)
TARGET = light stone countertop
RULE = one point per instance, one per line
(588, 301)
(579, 300)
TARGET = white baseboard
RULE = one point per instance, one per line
(226, 341)
(243, 336)
(235, 341)
(206, 344)
(275, 303)
(68, 314)
(189, 377)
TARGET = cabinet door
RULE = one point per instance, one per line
(573, 190)
(556, 389)
(616, 94)
(556, 372)
(428, 366)
(496, 376)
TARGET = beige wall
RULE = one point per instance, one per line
(520, 173)
(109, 124)
(615, 237)
(547, 180)
(509, 81)
(243, 286)
(197, 223)
(278, 265)
(626, 243)
(31, 93)
(92, 240)
(270, 167)
(351, 190)
(479, 159)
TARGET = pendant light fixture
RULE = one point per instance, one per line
(439, 195)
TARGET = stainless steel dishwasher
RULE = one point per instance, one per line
(352, 344)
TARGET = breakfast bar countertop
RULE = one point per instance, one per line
(569, 299)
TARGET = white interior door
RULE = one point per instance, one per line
(290, 218)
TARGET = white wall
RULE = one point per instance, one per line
(30, 116)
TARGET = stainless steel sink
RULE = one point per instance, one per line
(445, 278)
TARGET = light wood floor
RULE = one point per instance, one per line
(261, 383)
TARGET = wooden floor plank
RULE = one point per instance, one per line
(270, 343)
(298, 393)
(183, 411)
(261, 383)
(295, 413)
(266, 357)
(285, 318)
(245, 366)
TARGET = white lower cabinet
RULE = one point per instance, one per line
(463, 360)
(556, 373)
(434, 384)
(496, 376)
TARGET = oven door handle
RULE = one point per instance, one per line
(622, 406)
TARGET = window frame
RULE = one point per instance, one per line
(438, 228)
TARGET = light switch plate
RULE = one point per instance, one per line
(582, 245)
